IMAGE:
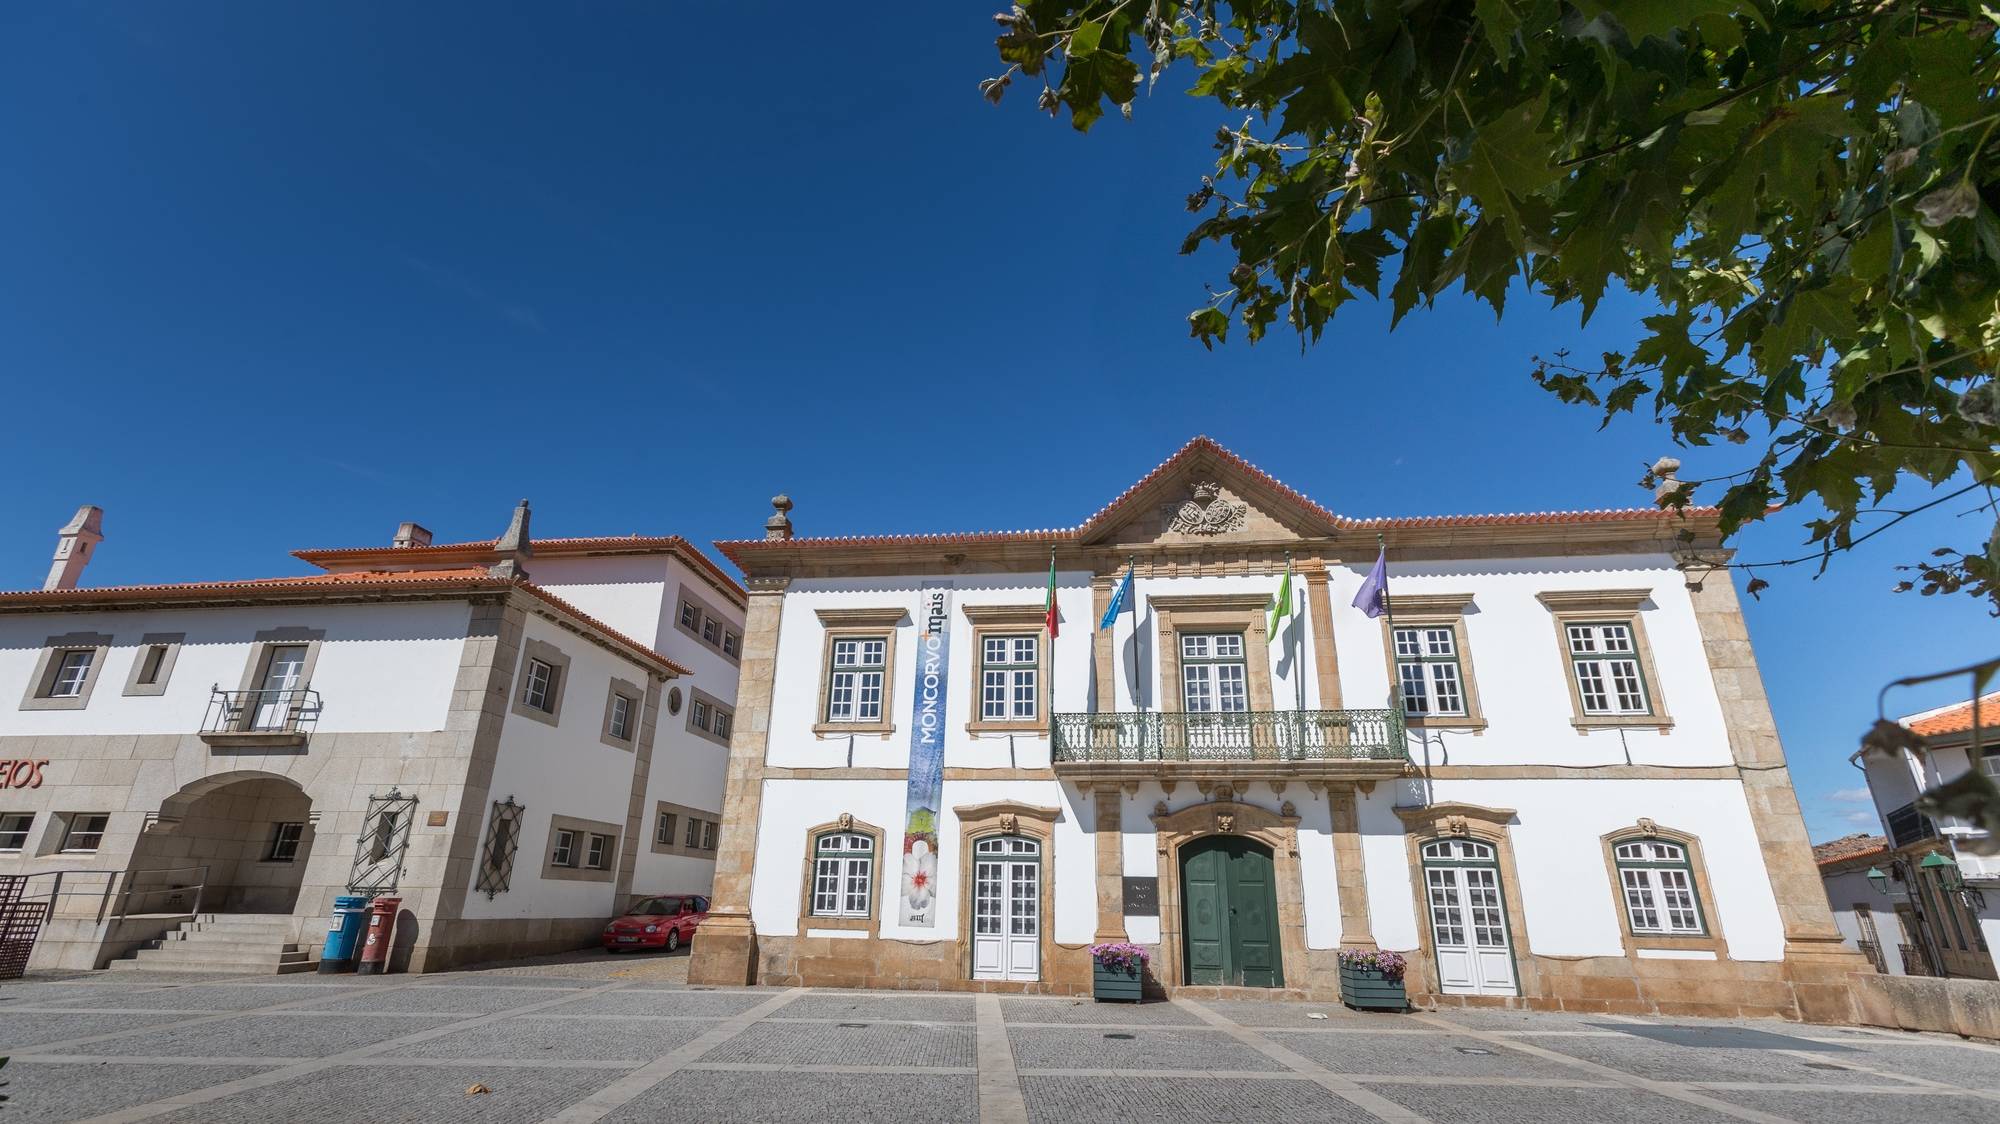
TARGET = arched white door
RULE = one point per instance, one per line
(1006, 908)
(1468, 918)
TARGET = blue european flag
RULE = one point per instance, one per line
(1121, 600)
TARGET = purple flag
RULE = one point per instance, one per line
(1373, 597)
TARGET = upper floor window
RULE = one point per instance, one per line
(663, 829)
(843, 874)
(620, 725)
(597, 856)
(1605, 661)
(540, 691)
(732, 644)
(1658, 883)
(1601, 635)
(711, 631)
(1427, 670)
(1214, 676)
(1010, 677)
(690, 616)
(564, 853)
(72, 670)
(855, 676)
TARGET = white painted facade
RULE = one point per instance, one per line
(413, 671)
(1561, 788)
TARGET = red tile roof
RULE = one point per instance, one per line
(1849, 847)
(1298, 501)
(482, 551)
(464, 579)
(1956, 718)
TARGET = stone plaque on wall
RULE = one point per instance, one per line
(1142, 897)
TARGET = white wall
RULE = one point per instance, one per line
(1843, 890)
(1520, 670)
(562, 770)
(380, 667)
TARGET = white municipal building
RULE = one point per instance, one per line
(1586, 806)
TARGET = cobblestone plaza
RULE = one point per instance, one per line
(581, 1040)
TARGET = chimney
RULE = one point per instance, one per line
(73, 546)
(779, 525)
(513, 547)
(411, 534)
(1665, 483)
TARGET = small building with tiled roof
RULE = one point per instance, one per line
(516, 737)
(1530, 751)
(1950, 908)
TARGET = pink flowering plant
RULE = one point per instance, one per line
(1390, 964)
(1120, 956)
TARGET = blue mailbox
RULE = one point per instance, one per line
(343, 936)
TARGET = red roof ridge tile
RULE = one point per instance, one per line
(1955, 718)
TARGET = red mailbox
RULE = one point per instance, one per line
(381, 926)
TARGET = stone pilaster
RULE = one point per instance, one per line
(1320, 609)
(1815, 959)
(1109, 801)
(636, 826)
(1103, 644)
(727, 950)
(1349, 873)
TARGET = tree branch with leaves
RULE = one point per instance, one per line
(1806, 187)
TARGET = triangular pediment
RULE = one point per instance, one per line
(1207, 494)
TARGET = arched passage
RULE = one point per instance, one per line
(244, 835)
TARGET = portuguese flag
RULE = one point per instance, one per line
(1049, 606)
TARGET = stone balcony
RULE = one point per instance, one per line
(1301, 745)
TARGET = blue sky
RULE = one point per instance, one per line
(280, 276)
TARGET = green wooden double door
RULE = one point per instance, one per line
(1229, 913)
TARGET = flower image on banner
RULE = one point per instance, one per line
(926, 784)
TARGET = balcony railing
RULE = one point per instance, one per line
(1256, 736)
(285, 711)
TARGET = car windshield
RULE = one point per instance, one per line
(657, 907)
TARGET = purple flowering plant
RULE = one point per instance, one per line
(1120, 956)
(1390, 964)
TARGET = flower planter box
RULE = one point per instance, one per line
(1127, 984)
(1367, 989)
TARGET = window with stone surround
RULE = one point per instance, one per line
(66, 671)
(1010, 677)
(663, 828)
(83, 832)
(14, 830)
(153, 664)
(1601, 637)
(843, 875)
(857, 671)
(1214, 675)
(503, 841)
(285, 838)
(542, 682)
(581, 850)
(1657, 883)
(564, 853)
(1432, 660)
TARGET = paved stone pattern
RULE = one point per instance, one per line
(589, 1040)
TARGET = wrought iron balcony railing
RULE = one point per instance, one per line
(290, 710)
(1259, 736)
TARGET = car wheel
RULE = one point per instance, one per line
(673, 939)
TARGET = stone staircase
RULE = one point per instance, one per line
(245, 943)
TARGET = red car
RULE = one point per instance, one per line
(667, 921)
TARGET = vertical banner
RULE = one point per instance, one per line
(926, 786)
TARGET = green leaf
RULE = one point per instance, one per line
(1084, 40)
(1508, 158)
(1500, 21)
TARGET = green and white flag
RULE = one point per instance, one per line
(1283, 608)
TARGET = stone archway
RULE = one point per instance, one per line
(1276, 831)
(244, 835)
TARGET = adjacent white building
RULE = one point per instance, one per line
(512, 736)
(1929, 882)
(1585, 807)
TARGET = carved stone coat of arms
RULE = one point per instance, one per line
(1206, 512)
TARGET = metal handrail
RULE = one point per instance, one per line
(118, 886)
(270, 710)
(1276, 735)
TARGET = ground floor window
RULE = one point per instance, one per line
(84, 831)
(843, 875)
(285, 842)
(14, 830)
(1658, 885)
(1468, 916)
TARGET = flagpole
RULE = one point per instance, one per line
(1050, 628)
(1389, 612)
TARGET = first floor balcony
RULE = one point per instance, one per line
(1289, 744)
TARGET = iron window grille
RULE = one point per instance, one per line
(383, 843)
(503, 841)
